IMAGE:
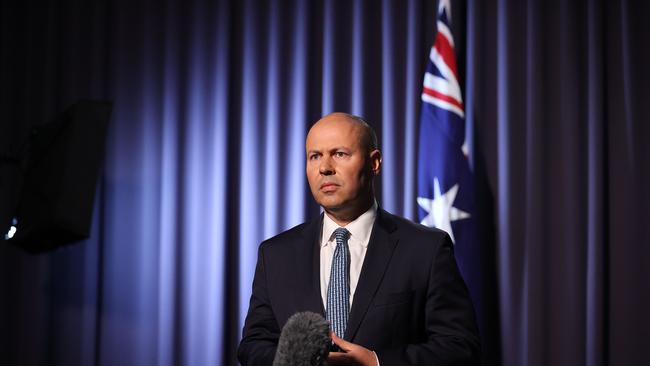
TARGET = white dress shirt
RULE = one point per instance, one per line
(360, 230)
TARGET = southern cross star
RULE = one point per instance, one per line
(440, 209)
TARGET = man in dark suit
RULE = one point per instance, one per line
(389, 286)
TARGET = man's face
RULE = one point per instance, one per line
(339, 167)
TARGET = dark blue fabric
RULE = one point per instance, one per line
(446, 185)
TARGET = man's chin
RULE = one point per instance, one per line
(330, 204)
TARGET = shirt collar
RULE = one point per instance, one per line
(359, 229)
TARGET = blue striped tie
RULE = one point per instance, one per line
(338, 291)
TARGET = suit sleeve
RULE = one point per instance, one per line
(452, 335)
(261, 331)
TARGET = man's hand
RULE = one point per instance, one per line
(352, 354)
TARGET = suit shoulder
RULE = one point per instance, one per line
(285, 237)
(414, 236)
(414, 228)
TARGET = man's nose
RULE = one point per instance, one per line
(326, 167)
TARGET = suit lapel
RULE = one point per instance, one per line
(309, 270)
(380, 251)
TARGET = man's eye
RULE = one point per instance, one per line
(313, 157)
(339, 154)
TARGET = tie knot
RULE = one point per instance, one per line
(341, 234)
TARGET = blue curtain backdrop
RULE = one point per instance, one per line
(204, 160)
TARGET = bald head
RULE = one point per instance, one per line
(342, 160)
(366, 134)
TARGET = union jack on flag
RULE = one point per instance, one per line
(441, 87)
(445, 180)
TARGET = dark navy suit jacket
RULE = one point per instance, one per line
(411, 305)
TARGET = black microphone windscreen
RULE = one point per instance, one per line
(304, 341)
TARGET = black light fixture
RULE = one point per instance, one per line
(60, 174)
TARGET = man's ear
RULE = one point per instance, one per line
(375, 161)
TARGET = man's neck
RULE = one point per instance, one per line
(344, 217)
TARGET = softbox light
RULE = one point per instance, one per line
(60, 177)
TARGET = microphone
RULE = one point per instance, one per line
(304, 341)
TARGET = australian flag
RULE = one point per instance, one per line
(445, 179)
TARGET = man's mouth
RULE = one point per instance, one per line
(328, 187)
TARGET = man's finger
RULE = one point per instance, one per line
(338, 358)
(342, 343)
(337, 354)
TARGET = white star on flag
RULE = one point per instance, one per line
(440, 209)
